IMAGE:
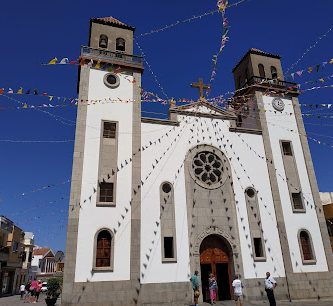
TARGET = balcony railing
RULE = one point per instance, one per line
(270, 82)
(111, 56)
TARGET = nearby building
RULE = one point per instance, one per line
(327, 201)
(27, 256)
(12, 253)
(43, 263)
(46, 264)
(232, 191)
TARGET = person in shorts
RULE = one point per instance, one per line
(195, 286)
(238, 292)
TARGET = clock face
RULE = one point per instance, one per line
(278, 104)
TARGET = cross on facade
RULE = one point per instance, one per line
(201, 86)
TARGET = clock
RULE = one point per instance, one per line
(278, 104)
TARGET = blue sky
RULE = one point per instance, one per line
(34, 32)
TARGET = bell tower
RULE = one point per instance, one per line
(268, 105)
(102, 252)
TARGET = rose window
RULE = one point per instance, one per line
(207, 167)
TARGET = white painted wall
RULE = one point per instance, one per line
(165, 171)
(35, 263)
(93, 218)
(278, 125)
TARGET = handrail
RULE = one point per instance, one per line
(275, 82)
(106, 54)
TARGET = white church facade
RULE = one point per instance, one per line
(224, 191)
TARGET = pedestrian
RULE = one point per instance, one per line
(238, 292)
(22, 291)
(195, 286)
(33, 287)
(212, 288)
(270, 285)
(38, 290)
(27, 290)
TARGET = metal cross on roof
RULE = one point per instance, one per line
(201, 86)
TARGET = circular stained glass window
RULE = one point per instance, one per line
(207, 167)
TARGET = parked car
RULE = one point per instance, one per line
(44, 286)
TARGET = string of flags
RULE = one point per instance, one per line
(311, 105)
(151, 70)
(311, 69)
(310, 48)
(222, 5)
(187, 20)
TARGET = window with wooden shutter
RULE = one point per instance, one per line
(103, 250)
(306, 246)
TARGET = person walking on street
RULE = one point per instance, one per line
(22, 291)
(270, 285)
(38, 290)
(212, 288)
(238, 292)
(195, 286)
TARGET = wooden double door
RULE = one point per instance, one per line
(215, 258)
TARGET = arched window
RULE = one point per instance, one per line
(261, 70)
(104, 249)
(274, 72)
(103, 41)
(120, 44)
(306, 246)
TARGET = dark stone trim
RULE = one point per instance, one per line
(136, 67)
(245, 130)
(257, 87)
(159, 121)
(198, 114)
(117, 294)
(75, 195)
(136, 185)
(202, 102)
(199, 230)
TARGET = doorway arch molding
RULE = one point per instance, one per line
(214, 230)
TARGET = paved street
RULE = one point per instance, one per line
(298, 303)
(15, 300)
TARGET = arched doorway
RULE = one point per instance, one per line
(216, 258)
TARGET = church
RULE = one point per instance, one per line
(218, 190)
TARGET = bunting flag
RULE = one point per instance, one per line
(309, 49)
(222, 5)
(315, 68)
(53, 61)
(187, 20)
